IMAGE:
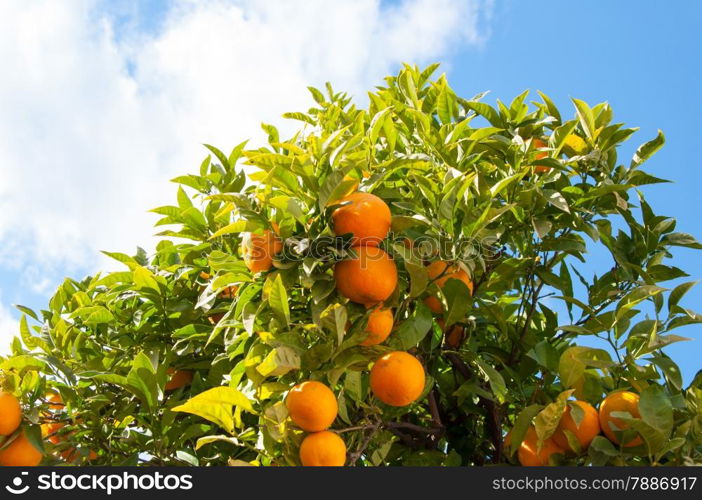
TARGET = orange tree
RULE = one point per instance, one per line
(295, 310)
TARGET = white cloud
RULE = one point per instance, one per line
(9, 328)
(93, 125)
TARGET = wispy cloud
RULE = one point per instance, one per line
(93, 124)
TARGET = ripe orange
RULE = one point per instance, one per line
(258, 250)
(55, 401)
(530, 456)
(20, 453)
(446, 271)
(50, 431)
(585, 433)
(364, 215)
(369, 278)
(454, 336)
(179, 378)
(623, 401)
(379, 326)
(10, 414)
(397, 379)
(312, 406)
(537, 144)
(323, 449)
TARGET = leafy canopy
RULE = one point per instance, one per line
(517, 194)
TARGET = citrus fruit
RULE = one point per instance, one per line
(623, 401)
(397, 378)
(379, 326)
(365, 216)
(585, 432)
(20, 453)
(323, 449)
(312, 406)
(179, 378)
(258, 250)
(539, 144)
(369, 278)
(10, 413)
(530, 456)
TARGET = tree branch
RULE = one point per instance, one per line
(493, 420)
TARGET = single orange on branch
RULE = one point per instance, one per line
(365, 216)
(20, 453)
(440, 272)
(529, 453)
(369, 278)
(397, 379)
(584, 431)
(323, 449)
(453, 336)
(540, 144)
(10, 413)
(258, 250)
(312, 406)
(379, 327)
(178, 379)
(623, 401)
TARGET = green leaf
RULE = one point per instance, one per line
(278, 298)
(586, 118)
(495, 379)
(521, 426)
(26, 310)
(419, 278)
(458, 300)
(279, 361)
(220, 156)
(415, 328)
(678, 293)
(681, 240)
(647, 150)
(143, 278)
(574, 360)
(556, 199)
(142, 377)
(656, 409)
(22, 362)
(634, 297)
(216, 405)
(445, 103)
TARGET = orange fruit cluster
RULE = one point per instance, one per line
(313, 408)
(51, 430)
(396, 379)
(584, 431)
(371, 276)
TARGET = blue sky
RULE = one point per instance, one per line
(141, 84)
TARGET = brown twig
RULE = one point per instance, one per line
(353, 457)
